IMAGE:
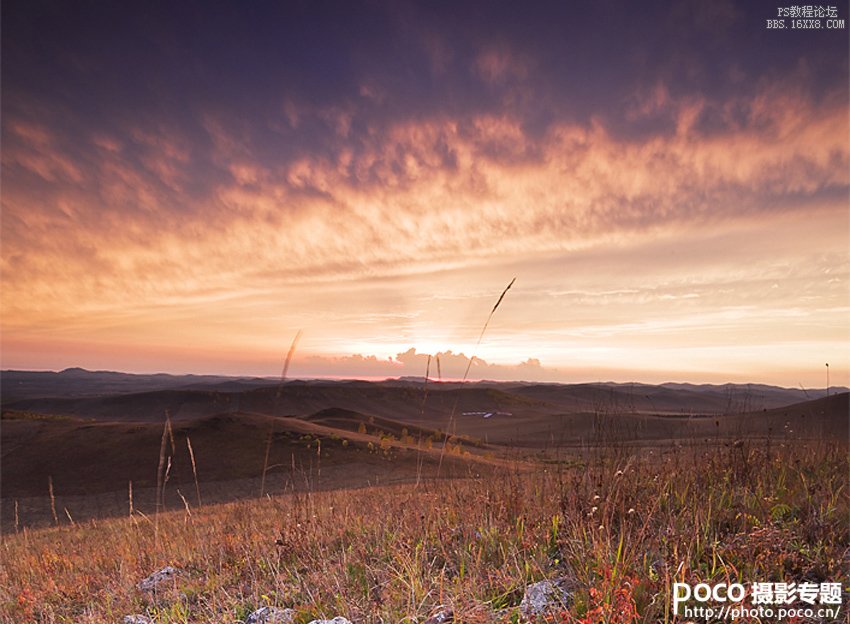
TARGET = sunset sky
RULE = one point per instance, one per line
(186, 185)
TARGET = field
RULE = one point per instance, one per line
(348, 512)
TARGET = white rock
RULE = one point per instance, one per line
(337, 620)
(136, 619)
(271, 615)
(165, 574)
(545, 596)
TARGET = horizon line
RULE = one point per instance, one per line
(422, 378)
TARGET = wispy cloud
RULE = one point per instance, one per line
(408, 195)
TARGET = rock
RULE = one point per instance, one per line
(150, 583)
(545, 596)
(136, 619)
(271, 615)
(442, 616)
(337, 620)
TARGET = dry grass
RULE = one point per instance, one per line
(623, 528)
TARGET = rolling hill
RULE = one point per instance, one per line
(91, 442)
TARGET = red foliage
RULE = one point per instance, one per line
(613, 604)
(620, 608)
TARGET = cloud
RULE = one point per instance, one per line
(405, 197)
(444, 365)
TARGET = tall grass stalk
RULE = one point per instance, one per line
(266, 461)
(451, 424)
(484, 329)
(194, 469)
(185, 505)
(287, 362)
(52, 500)
(161, 466)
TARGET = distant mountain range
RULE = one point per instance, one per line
(16, 385)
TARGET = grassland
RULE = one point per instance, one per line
(621, 526)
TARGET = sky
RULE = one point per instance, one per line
(186, 185)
